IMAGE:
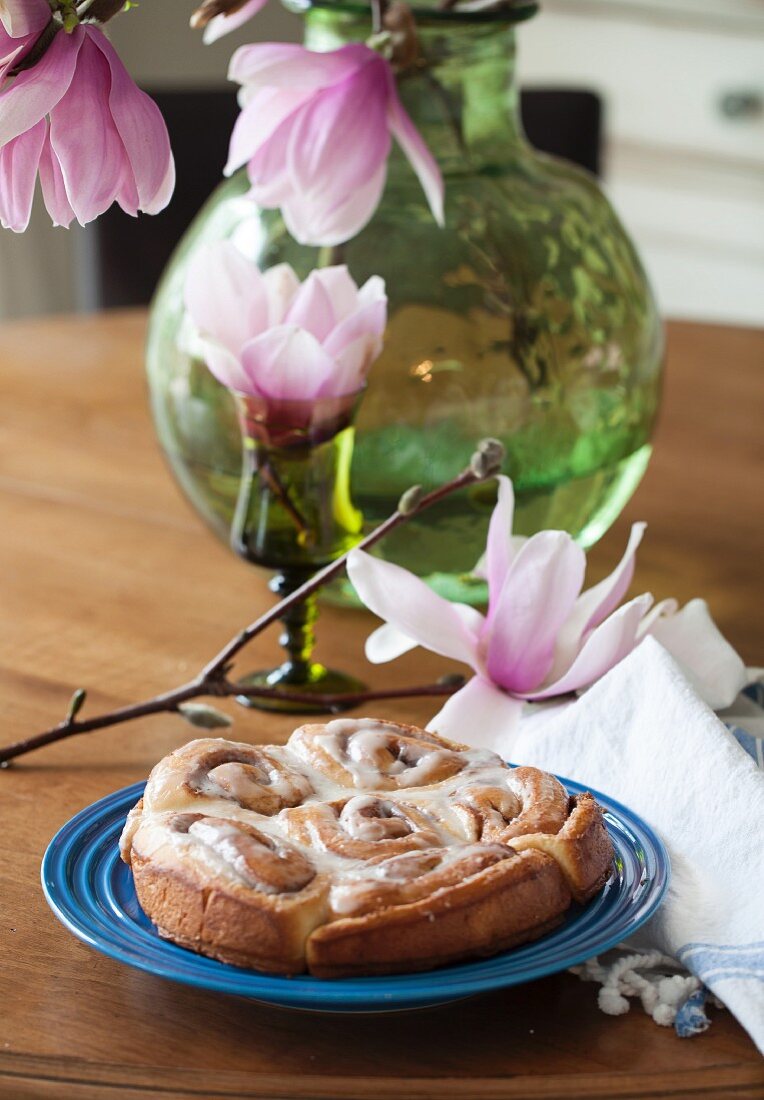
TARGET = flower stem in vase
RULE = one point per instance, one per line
(294, 515)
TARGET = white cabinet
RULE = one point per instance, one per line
(683, 88)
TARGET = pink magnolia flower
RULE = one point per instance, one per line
(315, 132)
(231, 20)
(265, 334)
(76, 118)
(542, 636)
(21, 22)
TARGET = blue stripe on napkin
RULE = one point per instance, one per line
(718, 962)
(754, 746)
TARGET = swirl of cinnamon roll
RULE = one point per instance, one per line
(362, 827)
(525, 801)
(270, 865)
(220, 886)
(377, 756)
(211, 770)
(404, 879)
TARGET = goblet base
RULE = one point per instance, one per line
(301, 680)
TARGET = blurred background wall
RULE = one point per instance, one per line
(683, 88)
(682, 84)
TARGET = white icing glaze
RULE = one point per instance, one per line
(365, 817)
(362, 748)
(358, 746)
(352, 891)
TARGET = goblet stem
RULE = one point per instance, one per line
(298, 672)
(299, 637)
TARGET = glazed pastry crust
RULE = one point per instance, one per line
(509, 903)
(222, 918)
(377, 849)
(582, 848)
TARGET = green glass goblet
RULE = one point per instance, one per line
(294, 515)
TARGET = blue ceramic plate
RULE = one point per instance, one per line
(91, 891)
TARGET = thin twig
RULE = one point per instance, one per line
(221, 662)
(170, 702)
(104, 10)
(355, 699)
(378, 15)
(213, 679)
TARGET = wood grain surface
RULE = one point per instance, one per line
(109, 581)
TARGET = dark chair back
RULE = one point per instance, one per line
(565, 122)
(125, 256)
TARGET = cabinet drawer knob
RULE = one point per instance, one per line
(741, 104)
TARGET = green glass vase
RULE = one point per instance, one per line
(528, 317)
(294, 515)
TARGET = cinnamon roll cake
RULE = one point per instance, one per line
(361, 847)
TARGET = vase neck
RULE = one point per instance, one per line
(464, 98)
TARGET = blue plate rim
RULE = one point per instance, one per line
(398, 990)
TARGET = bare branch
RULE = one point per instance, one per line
(213, 679)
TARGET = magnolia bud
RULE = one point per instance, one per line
(75, 704)
(204, 716)
(410, 500)
(488, 458)
(451, 680)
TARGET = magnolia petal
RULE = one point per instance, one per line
(539, 591)
(387, 642)
(314, 220)
(84, 138)
(224, 24)
(480, 715)
(11, 52)
(706, 657)
(286, 363)
(53, 187)
(373, 290)
(286, 65)
(480, 568)
(593, 606)
(499, 550)
(142, 130)
(226, 296)
(281, 286)
(34, 92)
(369, 319)
(260, 120)
(19, 162)
(272, 185)
(657, 611)
(22, 17)
(340, 139)
(225, 366)
(343, 290)
(352, 365)
(608, 644)
(312, 308)
(604, 597)
(404, 600)
(419, 156)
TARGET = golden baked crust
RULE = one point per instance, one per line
(582, 847)
(256, 910)
(512, 901)
(362, 847)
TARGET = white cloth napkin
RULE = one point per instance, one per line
(644, 736)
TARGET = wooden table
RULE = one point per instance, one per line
(110, 581)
